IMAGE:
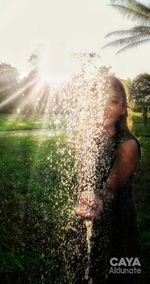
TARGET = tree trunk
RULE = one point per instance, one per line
(144, 112)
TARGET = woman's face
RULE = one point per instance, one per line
(113, 107)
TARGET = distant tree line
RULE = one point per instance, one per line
(27, 95)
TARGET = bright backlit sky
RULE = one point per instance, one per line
(64, 26)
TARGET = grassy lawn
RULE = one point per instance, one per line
(142, 201)
(29, 122)
(138, 129)
(37, 183)
(137, 118)
(36, 198)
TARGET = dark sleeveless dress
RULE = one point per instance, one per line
(115, 232)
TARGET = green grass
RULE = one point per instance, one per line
(28, 122)
(141, 131)
(36, 198)
(142, 201)
(137, 118)
(138, 129)
(37, 193)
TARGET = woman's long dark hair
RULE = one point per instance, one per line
(115, 84)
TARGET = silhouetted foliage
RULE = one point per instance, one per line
(140, 91)
(9, 82)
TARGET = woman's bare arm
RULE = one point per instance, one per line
(127, 158)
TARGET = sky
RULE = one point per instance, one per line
(57, 28)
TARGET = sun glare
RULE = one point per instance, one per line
(51, 73)
(53, 79)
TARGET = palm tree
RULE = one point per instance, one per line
(137, 35)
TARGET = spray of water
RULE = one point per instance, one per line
(86, 129)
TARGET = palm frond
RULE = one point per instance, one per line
(134, 3)
(132, 31)
(118, 33)
(132, 45)
(141, 29)
(131, 13)
(137, 35)
(126, 40)
(145, 10)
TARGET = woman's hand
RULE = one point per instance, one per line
(89, 207)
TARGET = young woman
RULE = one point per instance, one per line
(111, 209)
